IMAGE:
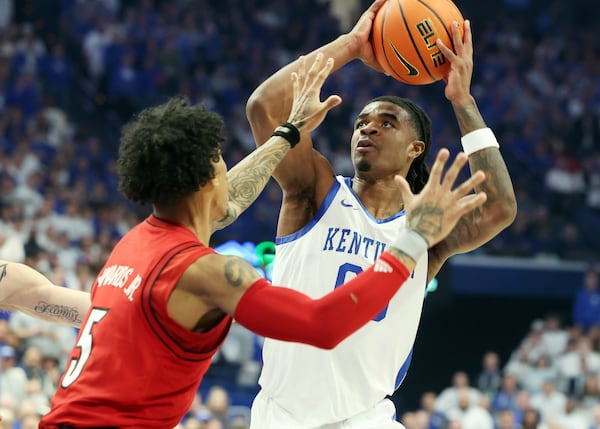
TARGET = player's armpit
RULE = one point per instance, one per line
(285, 314)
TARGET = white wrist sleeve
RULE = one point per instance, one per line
(411, 243)
(478, 140)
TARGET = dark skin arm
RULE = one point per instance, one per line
(248, 178)
(478, 227)
(304, 175)
(214, 284)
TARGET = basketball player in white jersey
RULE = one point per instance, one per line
(332, 228)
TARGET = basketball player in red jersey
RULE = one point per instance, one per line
(164, 301)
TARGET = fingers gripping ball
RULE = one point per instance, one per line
(404, 35)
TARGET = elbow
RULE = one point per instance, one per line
(254, 105)
(328, 338)
(505, 213)
(257, 107)
(509, 210)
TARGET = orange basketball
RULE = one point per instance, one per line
(404, 34)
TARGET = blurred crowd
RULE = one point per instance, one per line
(550, 381)
(73, 71)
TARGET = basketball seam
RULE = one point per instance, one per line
(412, 40)
(441, 21)
(383, 41)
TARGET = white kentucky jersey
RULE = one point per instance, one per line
(314, 386)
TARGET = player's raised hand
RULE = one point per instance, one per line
(360, 35)
(434, 212)
(308, 111)
(458, 80)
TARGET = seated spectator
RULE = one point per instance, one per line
(468, 412)
(550, 402)
(574, 366)
(505, 419)
(532, 420)
(542, 370)
(490, 377)
(506, 397)
(573, 417)
(436, 419)
(13, 380)
(590, 394)
(448, 398)
(554, 337)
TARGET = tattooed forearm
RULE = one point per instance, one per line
(427, 220)
(402, 257)
(238, 271)
(468, 117)
(484, 223)
(57, 312)
(249, 177)
(497, 184)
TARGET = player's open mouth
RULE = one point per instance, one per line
(365, 145)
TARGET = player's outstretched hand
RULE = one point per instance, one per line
(458, 80)
(434, 212)
(308, 111)
(360, 36)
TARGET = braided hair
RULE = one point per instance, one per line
(418, 173)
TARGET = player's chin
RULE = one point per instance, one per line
(362, 165)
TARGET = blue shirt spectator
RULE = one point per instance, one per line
(586, 308)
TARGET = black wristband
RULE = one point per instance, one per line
(289, 132)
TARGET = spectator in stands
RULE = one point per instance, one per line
(573, 367)
(550, 402)
(13, 380)
(468, 412)
(554, 337)
(573, 416)
(448, 398)
(586, 305)
(590, 394)
(532, 420)
(50, 338)
(436, 419)
(541, 370)
(490, 377)
(506, 419)
(506, 397)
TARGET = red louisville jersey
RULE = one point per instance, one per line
(132, 365)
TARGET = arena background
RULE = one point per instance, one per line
(536, 80)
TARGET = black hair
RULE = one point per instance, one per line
(167, 152)
(418, 173)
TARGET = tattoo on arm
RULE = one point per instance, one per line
(248, 178)
(468, 117)
(238, 271)
(497, 183)
(3, 271)
(57, 311)
(427, 220)
(400, 255)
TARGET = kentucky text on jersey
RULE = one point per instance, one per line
(352, 242)
(117, 276)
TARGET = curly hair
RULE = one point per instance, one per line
(167, 152)
(418, 173)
